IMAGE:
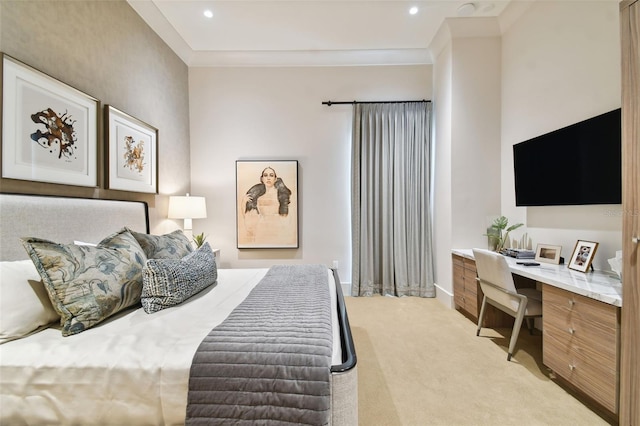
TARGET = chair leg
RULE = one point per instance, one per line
(516, 328)
(481, 318)
(530, 324)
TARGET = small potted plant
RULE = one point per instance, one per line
(199, 239)
(498, 233)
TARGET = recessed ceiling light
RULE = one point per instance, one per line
(466, 9)
(208, 13)
(413, 10)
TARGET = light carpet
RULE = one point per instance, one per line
(420, 363)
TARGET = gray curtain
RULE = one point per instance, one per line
(391, 200)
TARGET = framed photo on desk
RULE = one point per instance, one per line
(548, 254)
(583, 255)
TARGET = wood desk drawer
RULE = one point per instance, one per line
(581, 330)
(470, 282)
(578, 366)
(469, 264)
(458, 272)
(577, 306)
(580, 343)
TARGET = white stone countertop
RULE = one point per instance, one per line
(599, 285)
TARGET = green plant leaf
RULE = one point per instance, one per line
(516, 226)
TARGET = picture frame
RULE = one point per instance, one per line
(49, 129)
(548, 253)
(132, 153)
(583, 254)
(267, 204)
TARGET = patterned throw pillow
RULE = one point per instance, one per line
(88, 284)
(175, 245)
(168, 282)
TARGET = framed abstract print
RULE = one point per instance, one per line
(49, 129)
(267, 204)
(132, 153)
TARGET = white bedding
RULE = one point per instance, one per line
(132, 369)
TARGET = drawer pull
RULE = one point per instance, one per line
(572, 331)
(572, 367)
(572, 303)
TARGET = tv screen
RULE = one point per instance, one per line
(575, 165)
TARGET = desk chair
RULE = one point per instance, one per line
(499, 290)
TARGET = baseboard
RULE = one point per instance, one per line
(346, 289)
(444, 296)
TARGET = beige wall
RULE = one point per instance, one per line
(105, 49)
(276, 113)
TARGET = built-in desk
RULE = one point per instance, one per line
(580, 322)
(599, 285)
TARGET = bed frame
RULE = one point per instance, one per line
(64, 220)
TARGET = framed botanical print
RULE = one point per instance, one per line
(267, 204)
(49, 129)
(132, 153)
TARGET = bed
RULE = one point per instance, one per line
(133, 367)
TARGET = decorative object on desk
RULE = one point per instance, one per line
(548, 254)
(493, 238)
(583, 255)
(616, 264)
(199, 239)
(499, 232)
(518, 253)
(187, 208)
(132, 159)
(49, 129)
(267, 204)
(525, 242)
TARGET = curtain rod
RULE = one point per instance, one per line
(329, 103)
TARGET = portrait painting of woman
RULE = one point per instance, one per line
(267, 210)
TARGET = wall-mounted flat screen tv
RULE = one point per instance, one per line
(576, 165)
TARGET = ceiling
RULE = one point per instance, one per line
(304, 32)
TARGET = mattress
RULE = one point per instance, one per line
(131, 369)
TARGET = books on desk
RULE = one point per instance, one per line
(520, 253)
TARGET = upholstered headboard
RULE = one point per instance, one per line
(64, 220)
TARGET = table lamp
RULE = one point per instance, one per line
(187, 208)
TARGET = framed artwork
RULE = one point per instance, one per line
(583, 255)
(267, 204)
(548, 253)
(49, 129)
(132, 153)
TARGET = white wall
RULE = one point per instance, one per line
(276, 113)
(442, 230)
(560, 65)
(467, 105)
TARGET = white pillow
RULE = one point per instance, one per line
(24, 302)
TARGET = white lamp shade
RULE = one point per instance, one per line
(181, 207)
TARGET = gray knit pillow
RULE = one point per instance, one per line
(168, 282)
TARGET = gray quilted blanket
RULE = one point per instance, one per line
(269, 362)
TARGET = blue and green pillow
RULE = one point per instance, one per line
(88, 284)
(175, 245)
